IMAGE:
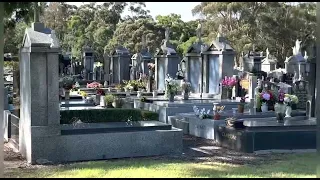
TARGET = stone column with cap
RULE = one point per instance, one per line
(39, 123)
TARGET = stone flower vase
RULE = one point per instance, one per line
(67, 94)
(216, 116)
(171, 97)
(280, 117)
(229, 93)
(280, 112)
(154, 93)
(241, 108)
(102, 101)
(117, 103)
(264, 107)
(185, 94)
(288, 111)
(139, 94)
(97, 100)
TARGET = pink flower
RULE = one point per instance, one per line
(229, 82)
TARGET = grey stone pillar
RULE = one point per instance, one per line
(39, 94)
(88, 62)
(106, 68)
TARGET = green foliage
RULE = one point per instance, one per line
(109, 98)
(250, 25)
(107, 115)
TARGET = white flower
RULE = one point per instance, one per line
(287, 99)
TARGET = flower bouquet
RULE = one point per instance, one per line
(202, 114)
(94, 85)
(228, 83)
(172, 88)
(216, 111)
(290, 100)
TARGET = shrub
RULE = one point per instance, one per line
(107, 115)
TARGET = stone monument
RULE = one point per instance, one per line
(194, 64)
(166, 62)
(88, 62)
(218, 62)
(120, 65)
(39, 100)
(268, 63)
(296, 64)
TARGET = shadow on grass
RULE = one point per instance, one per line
(301, 165)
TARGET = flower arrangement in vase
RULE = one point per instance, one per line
(280, 107)
(289, 100)
(265, 98)
(172, 88)
(202, 114)
(228, 83)
(66, 83)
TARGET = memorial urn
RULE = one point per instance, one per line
(171, 97)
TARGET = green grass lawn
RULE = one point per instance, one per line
(290, 166)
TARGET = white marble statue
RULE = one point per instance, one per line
(305, 55)
(267, 53)
(199, 31)
(54, 40)
(220, 30)
(167, 34)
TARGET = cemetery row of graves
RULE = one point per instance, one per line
(143, 104)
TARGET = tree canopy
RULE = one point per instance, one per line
(247, 25)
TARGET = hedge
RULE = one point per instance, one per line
(106, 115)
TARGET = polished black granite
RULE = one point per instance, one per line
(112, 127)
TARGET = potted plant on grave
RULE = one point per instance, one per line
(185, 87)
(119, 87)
(117, 102)
(280, 107)
(289, 100)
(109, 100)
(171, 88)
(66, 83)
(242, 104)
(228, 83)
